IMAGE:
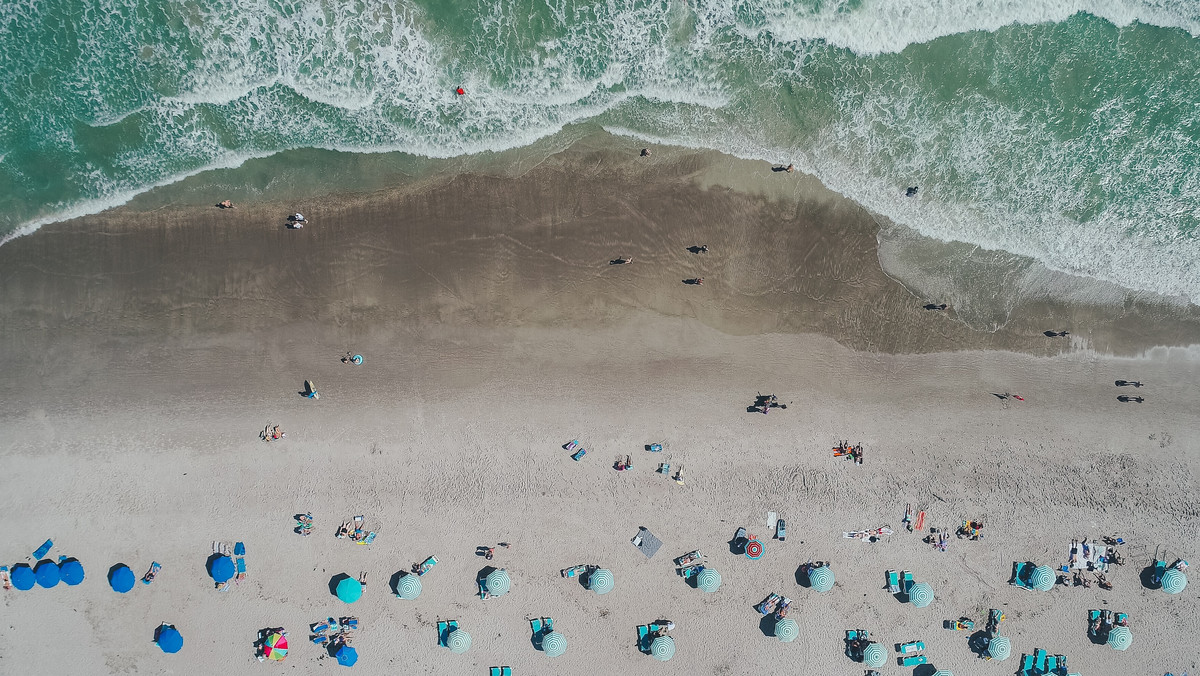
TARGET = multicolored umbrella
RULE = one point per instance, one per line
(754, 550)
(349, 590)
(169, 639)
(601, 581)
(408, 587)
(920, 595)
(221, 569)
(554, 644)
(458, 641)
(47, 574)
(22, 577)
(874, 656)
(1000, 648)
(1042, 578)
(346, 656)
(1173, 581)
(1120, 638)
(708, 580)
(71, 572)
(121, 579)
(821, 579)
(663, 648)
(787, 630)
(275, 647)
(498, 583)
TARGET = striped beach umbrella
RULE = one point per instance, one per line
(22, 577)
(346, 656)
(47, 574)
(349, 590)
(920, 595)
(554, 644)
(1042, 578)
(874, 656)
(121, 579)
(458, 641)
(221, 569)
(275, 647)
(498, 583)
(408, 587)
(169, 639)
(71, 572)
(943, 672)
(1173, 581)
(708, 580)
(754, 550)
(1000, 648)
(663, 648)
(821, 579)
(601, 581)
(1120, 638)
(787, 630)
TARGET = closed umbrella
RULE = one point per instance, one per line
(787, 630)
(408, 587)
(874, 656)
(1000, 648)
(498, 582)
(1120, 638)
(47, 574)
(169, 639)
(346, 656)
(708, 580)
(22, 577)
(221, 569)
(920, 595)
(349, 590)
(554, 644)
(71, 572)
(663, 648)
(121, 579)
(1042, 578)
(275, 647)
(821, 579)
(601, 581)
(1173, 581)
(458, 641)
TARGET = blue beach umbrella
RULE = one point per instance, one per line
(349, 590)
(221, 569)
(821, 579)
(346, 656)
(47, 574)
(170, 640)
(121, 579)
(22, 577)
(71, 572)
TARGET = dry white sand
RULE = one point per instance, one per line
(448, 437)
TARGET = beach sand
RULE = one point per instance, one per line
(144, 351)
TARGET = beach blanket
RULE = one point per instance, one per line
(1097, 558)
(646, 543)
(866, 535)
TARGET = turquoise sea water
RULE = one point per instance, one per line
(1068, 132)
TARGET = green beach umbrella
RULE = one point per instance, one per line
(1120, 638)
(708, 580)
(1173, 581)
(601, 581)
(408, 587)
(920, 595)
(943, 672)
(821, 579)
(663, 648)
(554, 644)
(1000, 648)
(874, 656)
(787, 630)
(458, 641)
(349, 590)
(498, 582)
(1042, 578)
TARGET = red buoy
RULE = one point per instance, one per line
(460, 91)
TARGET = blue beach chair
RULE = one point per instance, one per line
(1040, 662)
(578, 454)
(500, 671)
(1019, 575)
(907, 582)
(444, 628)
(893, 582)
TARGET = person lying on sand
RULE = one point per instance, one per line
(225, 204)
(344, 529)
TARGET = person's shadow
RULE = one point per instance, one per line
(697, 249)
(778, 169)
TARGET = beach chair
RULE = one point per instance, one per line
(1027, 665)
(349, 622)
(907, 581)
(769, 604)
(155, 566)
(913, 660)
(500, 671)
(578, 454)
(689, 559)
(691, 571)
(1051, 664)
(781, 530)
(1122, 619)
(1160, 567)
(444, 628)
(893, 582)
(645, 636)
(912, 647)
(570, 445)
(1019, 575)
(426, 565)
(655, 448)
(367, 540)
(1040, 662)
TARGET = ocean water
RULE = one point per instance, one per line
(1066, 132)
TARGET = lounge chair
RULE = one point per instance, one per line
(1160, 567)
(1051, 664)
(907, 583)
(579, 454)
(646, 634)
(501, 671)
(1040, 662)
(370, 537)
(1122, 619)
(1094, 625)
(913, 660)
(155, 566)
(349, 622)
(893, 582)
(425, 565)
(444, 628)
(769, 604)
(688, 559)
(911, 647)
(573, 571)
(1019, 576)
(781, 530)
(1027, 664)
(691, 571)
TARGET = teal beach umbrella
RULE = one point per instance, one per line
(408, 587)
(1042, 578)
(458, 641)
(498, 583)
(349, 590)
(1000, 648)
(874, 656)
(920, 595)
(787, 630)
(1120, 638)
(663, 648)
(554, 644)
(821, 579)
(1173, 581)
(601, 581)
(708, 580)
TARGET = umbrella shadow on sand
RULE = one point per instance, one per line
(393, 583)
(767, 625)
(335, 581)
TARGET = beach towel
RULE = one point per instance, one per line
(646, 543)
(41, 552)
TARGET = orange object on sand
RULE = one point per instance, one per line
(920, 520)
